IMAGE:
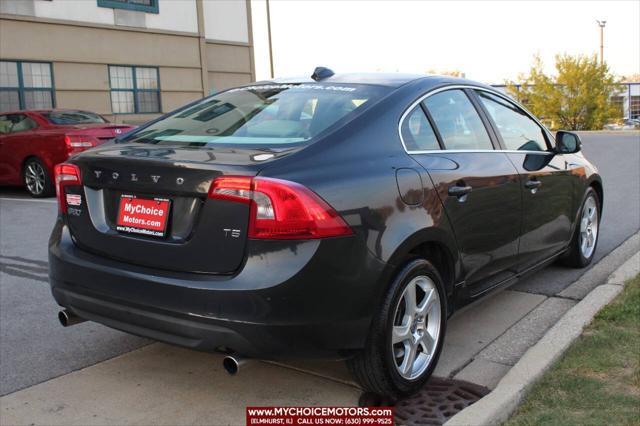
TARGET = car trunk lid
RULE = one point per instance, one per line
(201, 235)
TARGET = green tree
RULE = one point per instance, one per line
(577, 97)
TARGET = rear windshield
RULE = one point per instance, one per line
(277, 114)
(74, 117)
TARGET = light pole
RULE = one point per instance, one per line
(269, 34)
(601, 24)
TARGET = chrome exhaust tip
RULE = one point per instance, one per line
(68, 318)
(232, 363)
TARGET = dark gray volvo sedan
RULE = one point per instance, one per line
(342, 216)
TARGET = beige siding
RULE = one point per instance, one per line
(181, 79)
(220, 81)
(221, 57)
(73, 76)
(174, 100)
(66, 43)
(99, 102)
(81, 55)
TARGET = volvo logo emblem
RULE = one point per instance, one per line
(118, 131)
(180, 181)
(134, 177)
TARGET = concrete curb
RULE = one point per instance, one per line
(497, 406)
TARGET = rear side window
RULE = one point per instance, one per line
(5, 124)
(458, 121)
(15, 123)
(74, 117)
(518, 130)
(417, 133)
(261, 115)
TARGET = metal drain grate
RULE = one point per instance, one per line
(437, 402)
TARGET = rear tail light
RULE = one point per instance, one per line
(78, 143)
(280, 209)
(66, 174)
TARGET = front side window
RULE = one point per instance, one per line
(25, 85)
(417, 133)
(74, 117)
(518, 130)
(458, 122)
(134, 90)
(261, 115)
(149, 6)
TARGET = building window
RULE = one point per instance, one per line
(149, 6)
(25, 85)
(134, 89)
(618, 104)
(634, 107)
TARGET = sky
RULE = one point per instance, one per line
(490, 41)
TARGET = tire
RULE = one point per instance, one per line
(378, 367)
(577, 256)
(36, 179)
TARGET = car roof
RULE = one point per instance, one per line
(394, 80)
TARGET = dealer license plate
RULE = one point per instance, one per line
(146, 216)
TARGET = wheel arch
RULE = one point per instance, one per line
(596, 184)
(436, 246)
(30, 157)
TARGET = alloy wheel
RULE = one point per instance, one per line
(35, 178)
(589, 227)
(416, 327)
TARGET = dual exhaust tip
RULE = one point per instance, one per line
(231, 363)
(68, 318)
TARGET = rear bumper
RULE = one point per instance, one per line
(290, 299)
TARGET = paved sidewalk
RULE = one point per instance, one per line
(166, 385)
(492, 359)
(497, 406)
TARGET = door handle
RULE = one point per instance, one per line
(459, 190)
(533, 185)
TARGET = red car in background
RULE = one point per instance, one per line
(33, 142)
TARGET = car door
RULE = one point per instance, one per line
(16, 132)
(547, 179)
(478, 185)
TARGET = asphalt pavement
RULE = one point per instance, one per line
(35, 348)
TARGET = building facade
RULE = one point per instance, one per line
(128, 60)
(627, 98)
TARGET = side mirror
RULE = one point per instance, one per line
(567, 142)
